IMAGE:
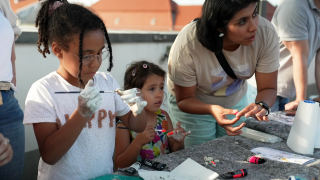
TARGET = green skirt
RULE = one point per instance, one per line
(203, 127)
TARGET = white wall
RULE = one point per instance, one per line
(31, 66)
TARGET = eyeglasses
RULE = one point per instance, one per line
(87, 59)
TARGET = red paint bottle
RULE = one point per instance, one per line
(235, 174)
(256, 160)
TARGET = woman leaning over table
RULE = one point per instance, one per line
(11, 116)
(203, 97)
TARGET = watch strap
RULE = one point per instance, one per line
(264, 106)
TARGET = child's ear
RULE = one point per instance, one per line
(56, 49)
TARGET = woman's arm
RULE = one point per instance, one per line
(173, 144)
(317, 75)
(13, 61)
(126, 152)
(267, 92)
(300, 52)
(53, 142)
(187, 102)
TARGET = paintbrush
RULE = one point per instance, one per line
(159, 130)
(74, 92)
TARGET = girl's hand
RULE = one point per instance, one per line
(146, 136)
(254, 110)
(219, 113)
(133, 97)
(179, 133)
(89, 100)
(5, 151)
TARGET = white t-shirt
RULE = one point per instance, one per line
(6, 41)
(91, 154)
(190, 64)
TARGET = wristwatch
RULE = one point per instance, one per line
(264, 106)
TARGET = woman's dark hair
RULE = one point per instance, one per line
(215, 15)
(138, 72)
(65, 21)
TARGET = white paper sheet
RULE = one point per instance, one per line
(303, 131)
(282, 156)
(163, 175)
(190, 167)
(281, 117)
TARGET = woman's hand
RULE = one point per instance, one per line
(179, 133)
(14, 80)
(254, 110)
(219, 113)
(317, 99)
(146, 136)
(292, 105)
(5, 151)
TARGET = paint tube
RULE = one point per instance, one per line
(235, 174)
(299, 177)
(133, 168)
(256, 160)
(155, 165)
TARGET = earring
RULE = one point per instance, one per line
(221, 34)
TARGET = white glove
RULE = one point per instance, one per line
(135, 101)
(89, 100)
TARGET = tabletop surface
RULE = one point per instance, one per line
(232, 151)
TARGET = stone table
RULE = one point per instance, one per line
(281, 130)
(232, 151)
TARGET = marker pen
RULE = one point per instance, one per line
(256, 160)
(133, 168)
(235, 174)
(160, 130)
(172, 133)
(155, 165)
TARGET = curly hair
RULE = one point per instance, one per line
(65, 21)
(216, 14)
(141, 74)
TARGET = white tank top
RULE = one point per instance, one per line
(7, 38)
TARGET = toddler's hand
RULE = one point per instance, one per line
(179, 133)
(89, 100)
(146, 136)
(5, 150)
(133, 97)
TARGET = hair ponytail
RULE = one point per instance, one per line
(61, 23)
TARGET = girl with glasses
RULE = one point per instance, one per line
(76, 132)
